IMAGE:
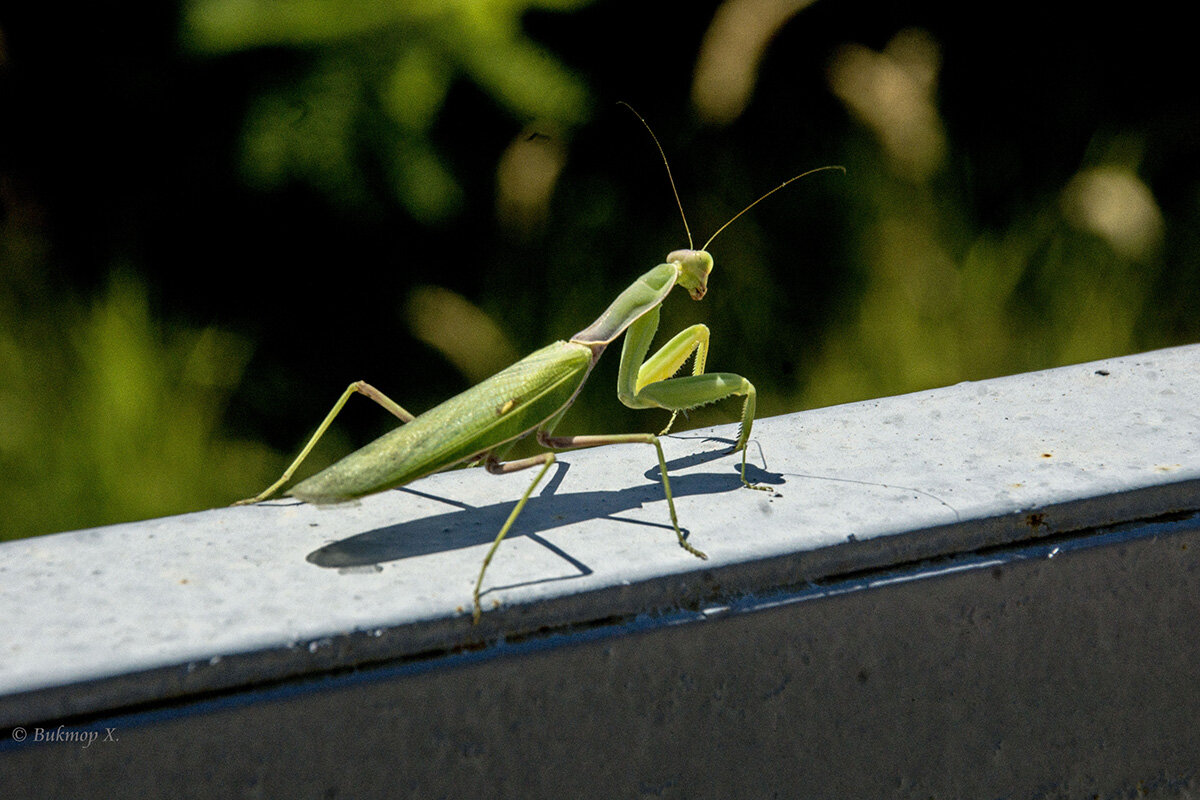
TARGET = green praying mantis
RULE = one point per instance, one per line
(480, 425)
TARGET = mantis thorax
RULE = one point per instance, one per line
(693, 266)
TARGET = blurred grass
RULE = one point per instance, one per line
(115, 405)
(107, 415)
(382, 71)
(944, 299)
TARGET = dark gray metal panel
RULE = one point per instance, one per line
(1065, 669)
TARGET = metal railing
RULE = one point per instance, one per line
(989, 589)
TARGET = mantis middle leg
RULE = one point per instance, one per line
(497, 467)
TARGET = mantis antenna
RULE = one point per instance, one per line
(662, 153)
(768, 194)
(670, 178)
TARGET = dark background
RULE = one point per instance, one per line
(174, 323)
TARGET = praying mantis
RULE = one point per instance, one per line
(480, 425)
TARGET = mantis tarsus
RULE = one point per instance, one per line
(482, 423)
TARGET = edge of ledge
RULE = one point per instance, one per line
(141, 613)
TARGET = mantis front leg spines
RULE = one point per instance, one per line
(479, 425)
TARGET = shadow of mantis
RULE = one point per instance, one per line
(470, 526)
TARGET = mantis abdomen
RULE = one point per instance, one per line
(502, 408)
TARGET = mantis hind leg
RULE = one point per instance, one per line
(358, 387)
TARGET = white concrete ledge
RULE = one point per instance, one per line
(115, 622)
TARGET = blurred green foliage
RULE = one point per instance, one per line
(381, 71)
(945, 299)
(261, 202)
(106, 415)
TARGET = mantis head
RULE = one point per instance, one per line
(693, 267)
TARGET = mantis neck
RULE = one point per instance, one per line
(644, 294)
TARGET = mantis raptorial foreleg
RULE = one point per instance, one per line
(358, 387)
(654, 388)
(681, 394)
(671, 356)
